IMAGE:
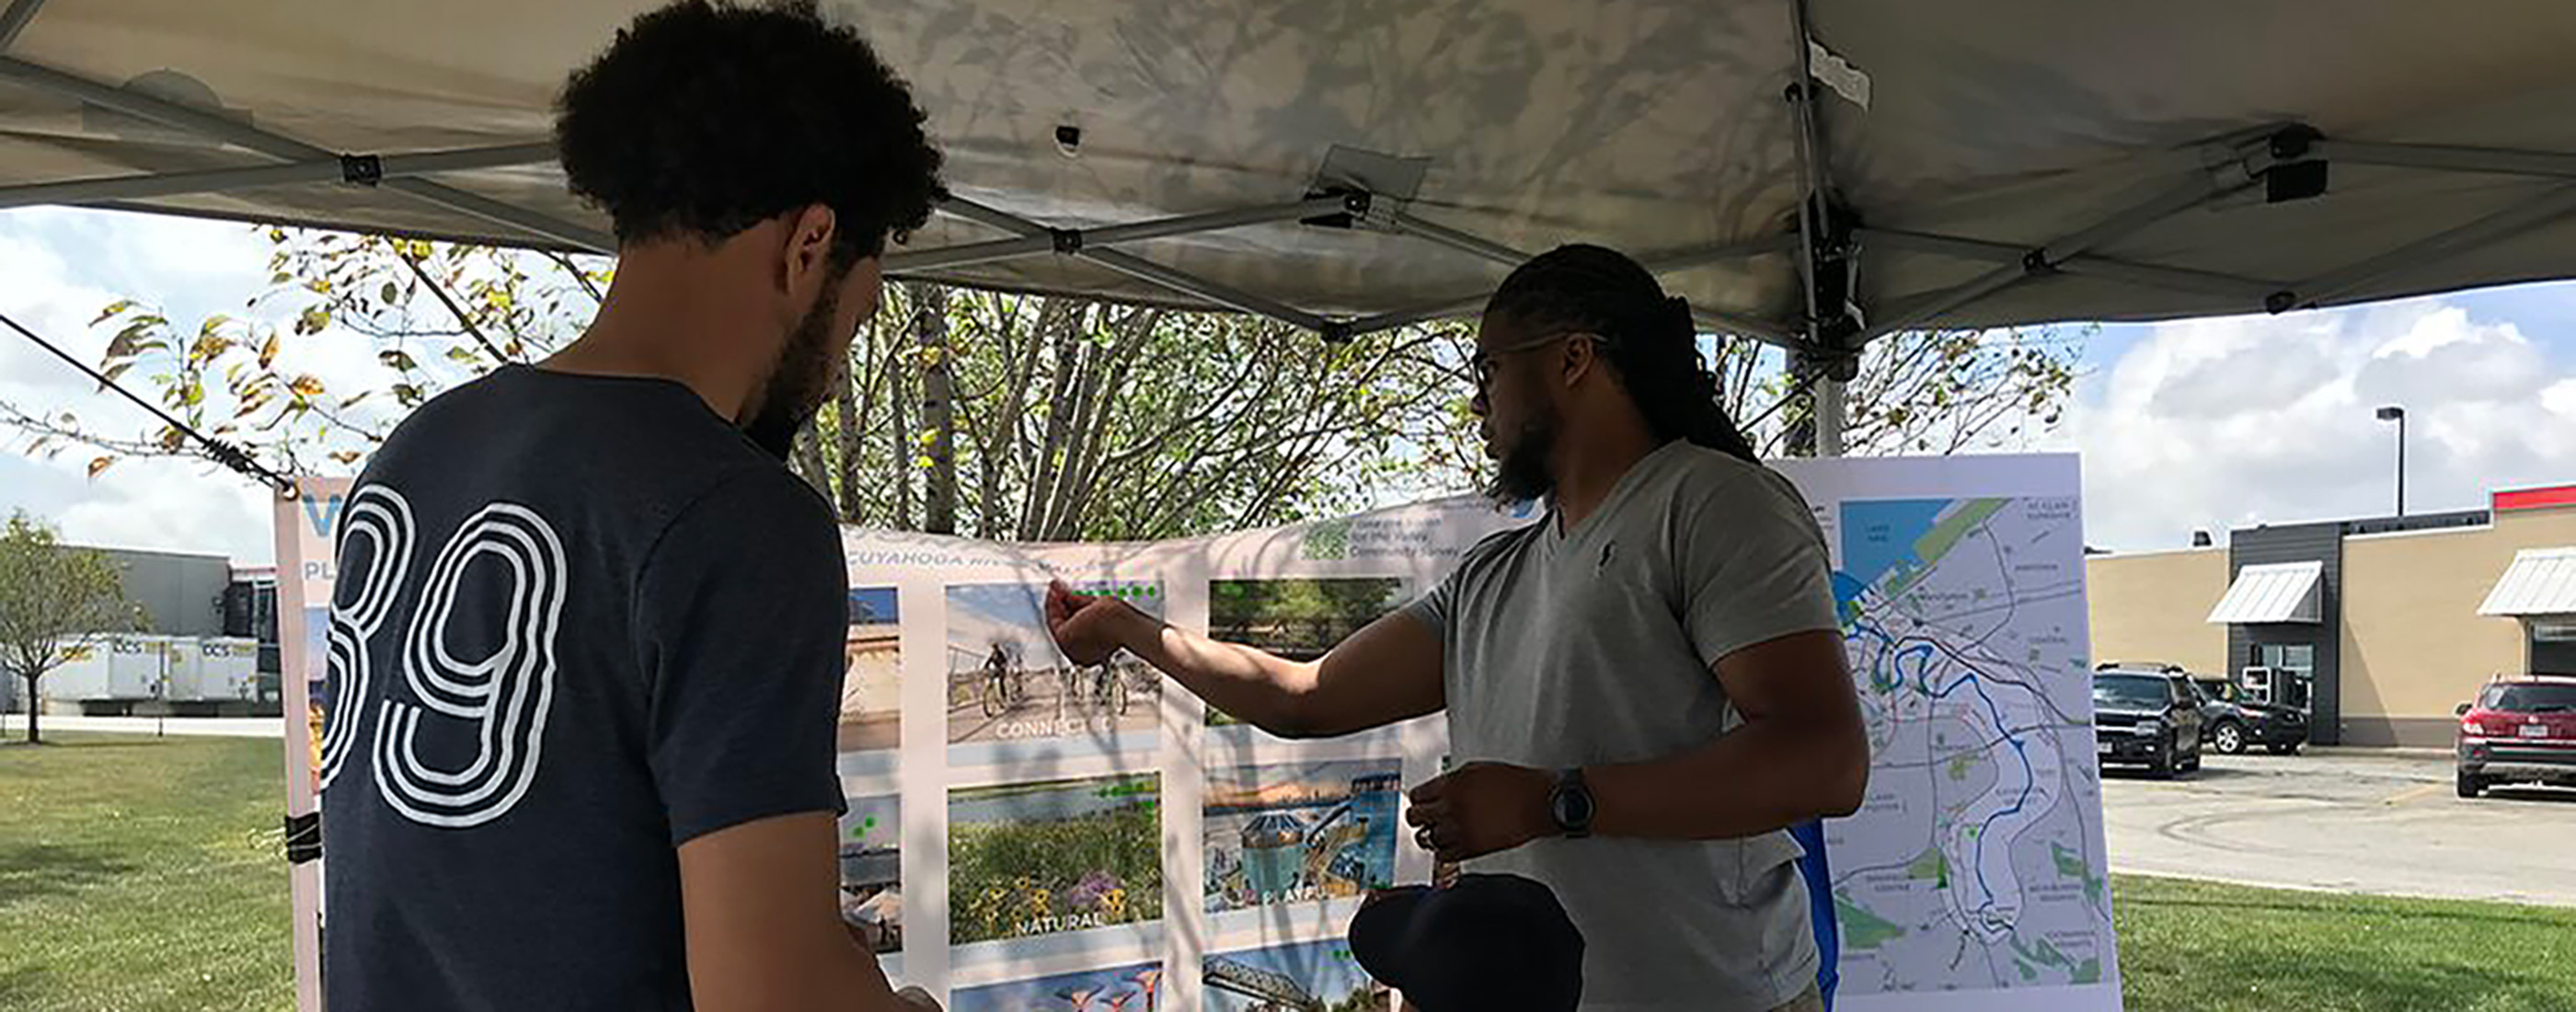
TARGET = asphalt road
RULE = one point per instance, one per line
(2345, 821)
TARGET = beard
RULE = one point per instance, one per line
(798, 382)
(1528, 470)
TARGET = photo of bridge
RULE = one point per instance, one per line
(1319, 976)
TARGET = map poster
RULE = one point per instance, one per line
(1974, 874)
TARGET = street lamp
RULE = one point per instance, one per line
(2393, 413)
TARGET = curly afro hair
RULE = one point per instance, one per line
(704, 119)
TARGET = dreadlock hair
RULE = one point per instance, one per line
(1650, 338)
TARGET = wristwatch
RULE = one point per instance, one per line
(1570, 804)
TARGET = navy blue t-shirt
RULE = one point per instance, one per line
(578, 621)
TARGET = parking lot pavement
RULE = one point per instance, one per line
(2345, 821)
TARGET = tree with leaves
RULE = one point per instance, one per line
(52, 599)
(1001, 416)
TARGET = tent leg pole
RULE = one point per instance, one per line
(1802, 113)
(1829, 407)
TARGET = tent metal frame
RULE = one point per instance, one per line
(1824, 341)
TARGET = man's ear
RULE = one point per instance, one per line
(806, 262)
(1578, 357)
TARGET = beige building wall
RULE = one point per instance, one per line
(2414, 645)
(2154, 606)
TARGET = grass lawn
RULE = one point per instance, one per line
(140, 873)
(2220, 948)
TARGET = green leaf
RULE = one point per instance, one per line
(112, 309)
(461, 353)
(389, 294)
(397, 359)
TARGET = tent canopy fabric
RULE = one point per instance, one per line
(2541, 582)
(2272, 594)
(1983, 162)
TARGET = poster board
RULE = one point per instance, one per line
(1024, 833)
(307, 525)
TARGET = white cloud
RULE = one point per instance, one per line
(58, 268)
(2220, 423)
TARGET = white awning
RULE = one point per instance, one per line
(2541, 581)
(2280, 592)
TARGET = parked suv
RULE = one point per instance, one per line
(2239, 722)
(2521, 730)
(2150, 717)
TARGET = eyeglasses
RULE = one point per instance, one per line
(1480, 366)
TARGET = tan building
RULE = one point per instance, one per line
(2386, 624)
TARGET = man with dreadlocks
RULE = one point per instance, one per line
(1645, 688)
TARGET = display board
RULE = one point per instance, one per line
(1025, 833)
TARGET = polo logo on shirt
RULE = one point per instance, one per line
(504, 697)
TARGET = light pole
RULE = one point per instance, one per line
(2393, 413)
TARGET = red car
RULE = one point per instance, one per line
(2521, 730)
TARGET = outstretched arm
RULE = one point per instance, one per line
(1389, 671)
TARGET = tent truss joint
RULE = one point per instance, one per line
(14, 18)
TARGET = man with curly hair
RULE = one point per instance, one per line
(586, 651)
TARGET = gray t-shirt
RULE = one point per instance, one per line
(1596, 645)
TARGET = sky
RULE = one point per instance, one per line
(2195, 425)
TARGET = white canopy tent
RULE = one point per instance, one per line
(1351, 167)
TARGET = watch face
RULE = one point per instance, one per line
(1573, 807)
